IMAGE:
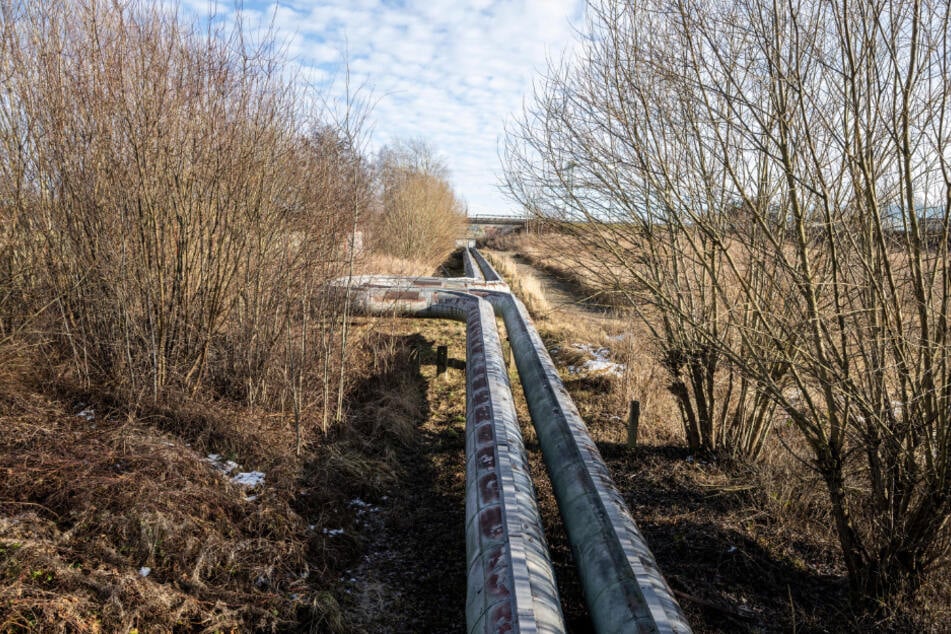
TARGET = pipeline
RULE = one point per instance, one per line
(471, 268)
(488, 272)
(623, 586)
(511, 582)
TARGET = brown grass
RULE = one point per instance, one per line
(85, 505)
(778, 507)
(523, 283)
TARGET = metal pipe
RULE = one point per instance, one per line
(511, 582)
(470, 267)
(488, 272)
(623, 586)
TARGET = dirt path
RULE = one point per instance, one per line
(567, 304)
(411, 572)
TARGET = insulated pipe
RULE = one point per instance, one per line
(471, 268)
(511, 582)
(623, 586)
(488, 272)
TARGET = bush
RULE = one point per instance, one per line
(421, 218)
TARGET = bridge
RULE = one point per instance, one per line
(480, 226)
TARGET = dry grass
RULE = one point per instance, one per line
(87, 504)
(382, 264)
(523, 283)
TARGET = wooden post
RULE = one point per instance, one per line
(507, 353)
(633, 419)
(442, 359)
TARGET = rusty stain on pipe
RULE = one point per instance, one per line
(511, 582)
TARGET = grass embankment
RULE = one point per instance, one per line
(746, 547)
(114, 518)
(112, 521)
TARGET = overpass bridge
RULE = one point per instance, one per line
(481, 226)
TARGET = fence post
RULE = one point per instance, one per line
(633, 419)
(442, 359)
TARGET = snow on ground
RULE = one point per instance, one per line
(598, 363)
(247, 479)
(88, 414)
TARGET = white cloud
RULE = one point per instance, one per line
(448, 71)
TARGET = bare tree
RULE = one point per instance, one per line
(772, 180)
(420, 217)
(161, 197)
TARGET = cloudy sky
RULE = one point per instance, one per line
(449, 71)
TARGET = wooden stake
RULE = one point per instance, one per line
(633, 419)
(442, 359)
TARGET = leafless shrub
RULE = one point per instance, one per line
(163, 209)
(421, 218)
(773, 181)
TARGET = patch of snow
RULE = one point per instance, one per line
(249, 479)
(597, 365)
(224, 466)
(333, 532)
(88, 414)
(362, 507)
(600, 361)
(251, 498)
(144, 571)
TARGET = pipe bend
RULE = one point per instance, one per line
(511, 580)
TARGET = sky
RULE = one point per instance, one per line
(451, 72)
